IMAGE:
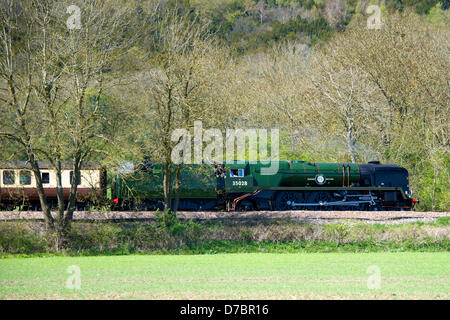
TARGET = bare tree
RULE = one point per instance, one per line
(178, 88)
(259, 9)
(341, 94)
(403, 72)
(335, 11)
(54, 70)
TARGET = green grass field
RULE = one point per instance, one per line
(231, 276)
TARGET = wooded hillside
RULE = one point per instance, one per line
(114, 90)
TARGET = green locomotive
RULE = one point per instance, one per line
(297, 185)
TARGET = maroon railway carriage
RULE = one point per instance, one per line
(18, 184)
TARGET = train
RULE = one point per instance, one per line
(18, 187)
(230, 186)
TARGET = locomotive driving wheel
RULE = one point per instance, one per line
(323, 198)
(285, 200)
(245, 206)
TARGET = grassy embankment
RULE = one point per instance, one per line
(211, 237)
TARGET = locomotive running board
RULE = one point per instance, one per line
(334, 203)
(336, 189)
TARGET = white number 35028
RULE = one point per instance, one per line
(240, 183)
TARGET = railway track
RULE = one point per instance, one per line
(307, 216)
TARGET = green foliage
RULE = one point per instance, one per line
(17, 238)
(316, 30)
(232, 20)
(444, 221)
(227, 237)
(246, 235)
(438, 16)
(421, 6)
(432, 185)
(338, 232)
(166, 218)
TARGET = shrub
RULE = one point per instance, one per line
(18, 238)
(337, 232)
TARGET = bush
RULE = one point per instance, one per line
(444, 221)
(95, 235)
(337, 232)
(18, 238)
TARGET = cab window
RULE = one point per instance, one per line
(236, 173)
(8, 177)
(25, 177)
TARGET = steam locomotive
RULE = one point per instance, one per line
(246, 186)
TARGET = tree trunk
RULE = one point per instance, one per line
(49, 221)
(59, 193)
(73, 191)
(351, 141)
(177, 189)
(433, 203)
(167, 186)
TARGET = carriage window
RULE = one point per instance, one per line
(8, 177)
(45, 177)
(236, 173)
(25, 177)
(71, 176)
